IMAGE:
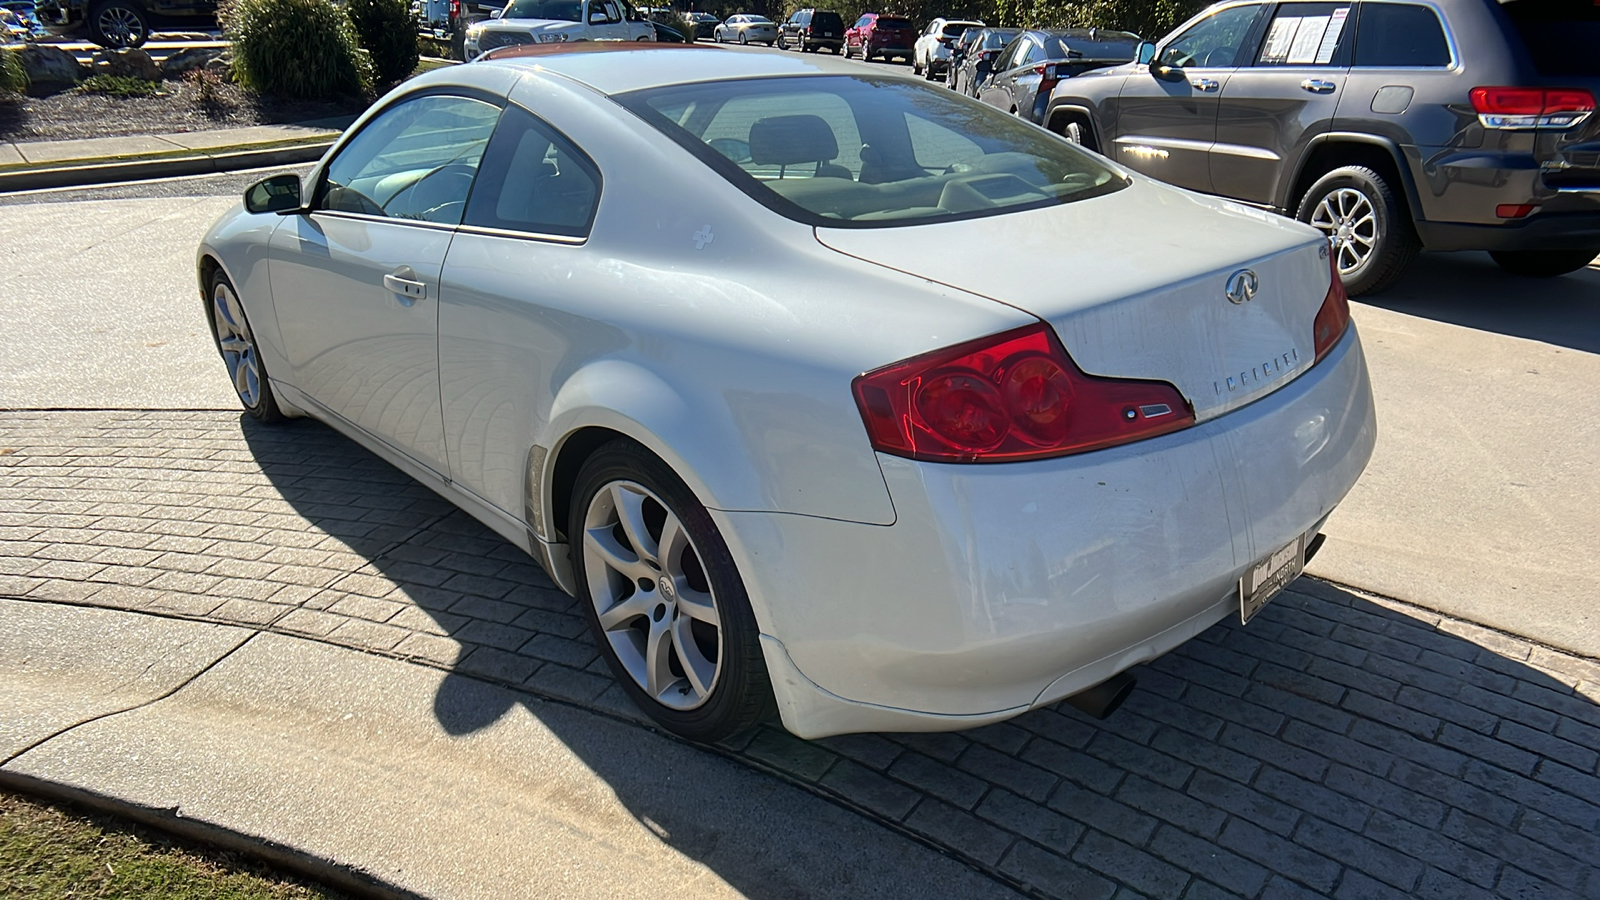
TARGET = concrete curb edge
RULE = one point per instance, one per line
(91, 173)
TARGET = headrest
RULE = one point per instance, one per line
(787, 140)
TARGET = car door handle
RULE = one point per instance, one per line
(1317, 86)
(403, 281)
(1205, 84)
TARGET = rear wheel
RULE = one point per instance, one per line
(1543, 263)
(237, 344)
(118, 23)
(1367, 228)
(664, 599)
(743, 39)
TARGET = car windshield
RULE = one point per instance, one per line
(560, 10)
(994, 40)
(758, 20)
(1561, 35)
(863, 151)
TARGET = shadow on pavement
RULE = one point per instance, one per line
(1470, 290)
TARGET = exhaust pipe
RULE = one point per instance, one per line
(1103, 699)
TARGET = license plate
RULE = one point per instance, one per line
(1267, 578)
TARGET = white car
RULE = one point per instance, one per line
(555, 22)
(830, 393)
(930, 55)
(746, 29)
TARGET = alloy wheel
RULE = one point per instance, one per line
(121, 26)
(1346, 216)
(651, 595)
(237, 345)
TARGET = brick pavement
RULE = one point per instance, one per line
(1337, 746)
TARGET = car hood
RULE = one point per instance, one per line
(1133, 283)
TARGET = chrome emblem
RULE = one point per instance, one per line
(1242, 286)
(666, 588)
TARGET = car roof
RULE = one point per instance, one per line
(615, 67)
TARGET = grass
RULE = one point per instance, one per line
(117, 86)
(59, 850)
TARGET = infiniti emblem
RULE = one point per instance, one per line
(1242, 286)
(666, 588)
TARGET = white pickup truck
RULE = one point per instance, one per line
(554, 21)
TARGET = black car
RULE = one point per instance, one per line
(1021, 76)
(1389, 126)
(125, 23)
(973, 54)
(811, 30)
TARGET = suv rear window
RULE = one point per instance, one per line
(893, 23)
(1400, 35)
(1562, 36)
(824, 19)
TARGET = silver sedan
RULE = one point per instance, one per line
(832, 395)
(746, 29)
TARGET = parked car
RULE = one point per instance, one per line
(666, 34)
(972, 57)
(876, 35)
(930, 55)
(1028, 69)
(124, 23)
(811, 30)
(702, 23)
(828, 393)
(1392, 127)
(557, 21)
(19, 21)
(747, 29)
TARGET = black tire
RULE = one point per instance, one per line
(263, 405)
(1390, 241)
(743, 39)
(1543, 263)
(741, 693)
(118, 23)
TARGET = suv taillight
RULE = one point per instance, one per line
(1008, 397)
(1518, 107)
(1333, 319)
(1047, 76)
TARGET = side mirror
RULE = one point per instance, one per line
(496, 13)
(1147, 52)
(278, 194)
(598, 17)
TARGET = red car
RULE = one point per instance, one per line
(879, 35)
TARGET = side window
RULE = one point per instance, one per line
(415, 160)
(534, 180)
(1308, 34)
(1005, 58)
(1212, 42)
(613, 12)
(1400, 35)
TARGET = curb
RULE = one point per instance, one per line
(85, 173)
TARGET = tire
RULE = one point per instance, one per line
(118, 23)
(1543, 263)
(713, 682)
(1370, 232)
(916, 65)
(743, 40)
(235, 342)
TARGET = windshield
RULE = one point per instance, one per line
(994, 40)
(560, 10)
(862, 151)
(1562, 36)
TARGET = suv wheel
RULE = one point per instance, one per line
(1543, 263)
(118, 23)
(1370, 234)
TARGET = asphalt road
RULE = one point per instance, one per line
(1481, 501)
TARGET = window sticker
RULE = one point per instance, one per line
(1330, 37)
(1304, 40)
(1278, 40)
(1307, 39)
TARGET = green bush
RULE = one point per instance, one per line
(13, 78)
(296, 48)
(117, 86)
(389, 34)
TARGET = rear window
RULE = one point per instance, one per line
(865, 152)
(893, 23)
(1562, 36)
(822, 19)
(955, 29)
(994, 40)
(1400, 35)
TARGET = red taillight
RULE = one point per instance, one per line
(1519, 107)
(1515, 210)
(1008, 397)
(1047, 75)
(1333, 318)
(455, 9)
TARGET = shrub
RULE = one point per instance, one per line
(208, 91)
(13, 77)
(117, 86)
(296, 48)
(388, 32)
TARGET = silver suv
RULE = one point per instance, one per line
(1391, 126)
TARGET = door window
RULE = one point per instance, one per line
(1308, 34)
(534, 180)
(1212, 42)
(1400, 35)
(415, 160)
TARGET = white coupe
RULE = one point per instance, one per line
(831, 394)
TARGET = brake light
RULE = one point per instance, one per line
(1333, 319)
(1008, 397)
(1047, 76)
(1519, 107)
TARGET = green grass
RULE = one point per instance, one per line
(57, 850)
(117, 86)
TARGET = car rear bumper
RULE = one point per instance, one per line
(1004, 587)
(1542, 231)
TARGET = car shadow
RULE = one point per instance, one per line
(1338, 743)
(1470, 290)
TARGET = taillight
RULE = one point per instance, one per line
(1519, 107)
(1008, 397)
(1047, 75)
(1333, 318)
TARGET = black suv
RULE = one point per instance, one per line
(811, 30)
(1391, 126)
(125, 23)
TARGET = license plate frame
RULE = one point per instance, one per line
(1266, 578)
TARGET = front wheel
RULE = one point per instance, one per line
(663, 597)
(1543, 263)
(118, 23)
(237, 344)
(743, 39)
(1367, 228)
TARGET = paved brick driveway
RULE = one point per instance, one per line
(1338, 746)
